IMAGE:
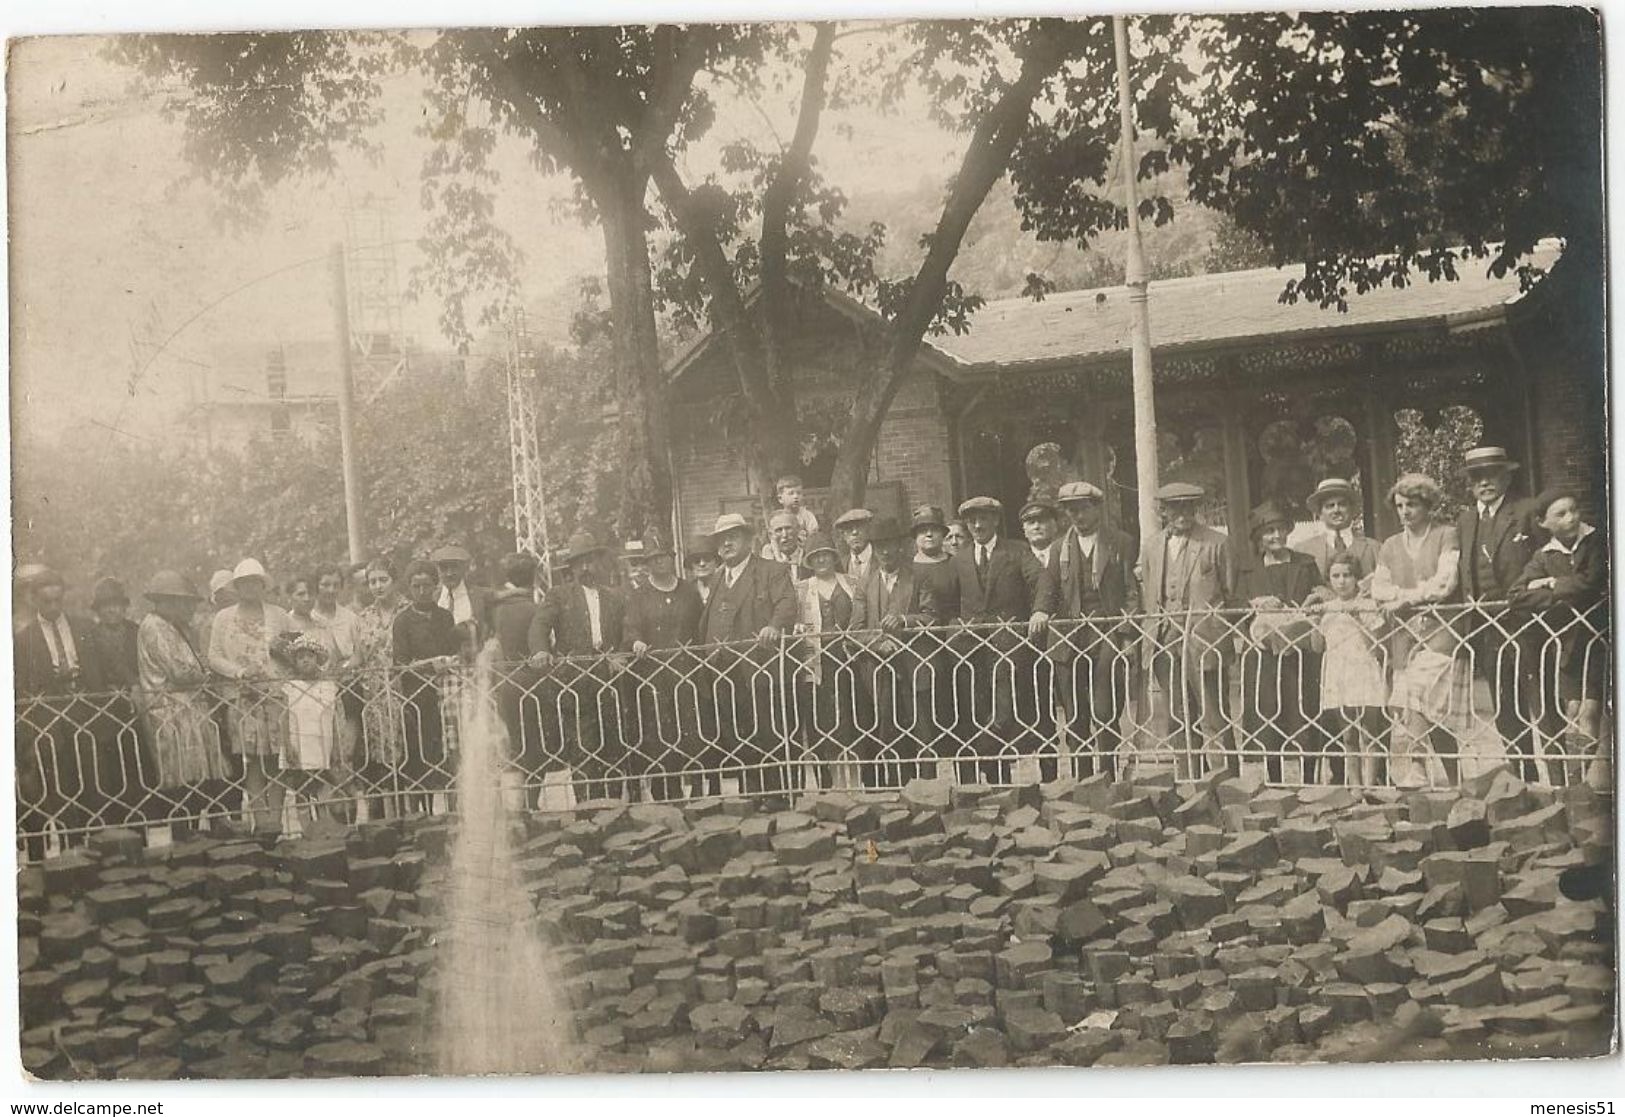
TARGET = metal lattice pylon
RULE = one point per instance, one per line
(377, 338)
(529, 508)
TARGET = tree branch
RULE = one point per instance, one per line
(794, 166)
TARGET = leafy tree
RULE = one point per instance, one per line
(601, 103)
(1375, 147)
(990, 80)
(435, 469)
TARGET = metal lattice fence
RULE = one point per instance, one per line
(1352, 695)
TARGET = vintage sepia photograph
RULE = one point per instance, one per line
(875, 545)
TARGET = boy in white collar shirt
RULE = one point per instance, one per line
(1567, 580)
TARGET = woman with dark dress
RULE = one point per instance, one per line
(1280, 672)
(426, 643)
(125, 774)
(662, 616)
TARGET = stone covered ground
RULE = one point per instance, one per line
(1079, 924)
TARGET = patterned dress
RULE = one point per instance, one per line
(240, 650)
(383, 724)
(185, 738)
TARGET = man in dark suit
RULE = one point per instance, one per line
(989, 587)
(469, 606)
(572, 636)
(888, 722)
(1091, 575)
(752, 600)
(1499, 535)
(66, 769)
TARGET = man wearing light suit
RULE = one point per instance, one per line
(1332, 505)
(1090, 576)
(1187, 575)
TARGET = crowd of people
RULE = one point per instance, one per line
(938, 640)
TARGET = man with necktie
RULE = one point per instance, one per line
(1091, 576)
(888, 720)
(60, 685)
(468, 605)
(1333, 504)
(855, 527)
(572, 635)
(1035, 696)
(1188, 576)
(1498, 538)
(988, 589)
(751, 606)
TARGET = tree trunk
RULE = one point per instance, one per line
(644, 434)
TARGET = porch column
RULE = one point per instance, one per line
(1381, 440)
(1238, 488)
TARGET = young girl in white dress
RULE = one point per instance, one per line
(1353, 672)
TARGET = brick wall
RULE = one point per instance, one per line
(1568, 398)
(913, 445)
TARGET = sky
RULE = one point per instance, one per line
(127, 286)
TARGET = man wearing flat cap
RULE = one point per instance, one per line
(1087, 587)
(855, 527)
(469, 606)
(1333, 505)
(1034, 686)
(1499, 535)
(1187, 577)
(886, 668)
(989, 587)
(576, 628)
(752, 600)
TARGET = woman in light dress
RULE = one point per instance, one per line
(1418, 567)
(383, 725)
(828, 603)
(191, 766)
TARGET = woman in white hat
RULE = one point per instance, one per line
(829, 603)
(240, 641)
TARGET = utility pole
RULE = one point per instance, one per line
(1145, 407)
(352, 482)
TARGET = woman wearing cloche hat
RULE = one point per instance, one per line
(185, 739)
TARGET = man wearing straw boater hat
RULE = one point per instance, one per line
(1092, 575)
(1498, 535)
(752, 602)
(1333, 505)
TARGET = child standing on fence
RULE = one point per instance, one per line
(1353, 672)
(1567, 580)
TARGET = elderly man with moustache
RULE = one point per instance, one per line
(752, 599)
(989, 587)
(1499, 534)
(1187, 577)
(784, 543)
(1090, 577)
